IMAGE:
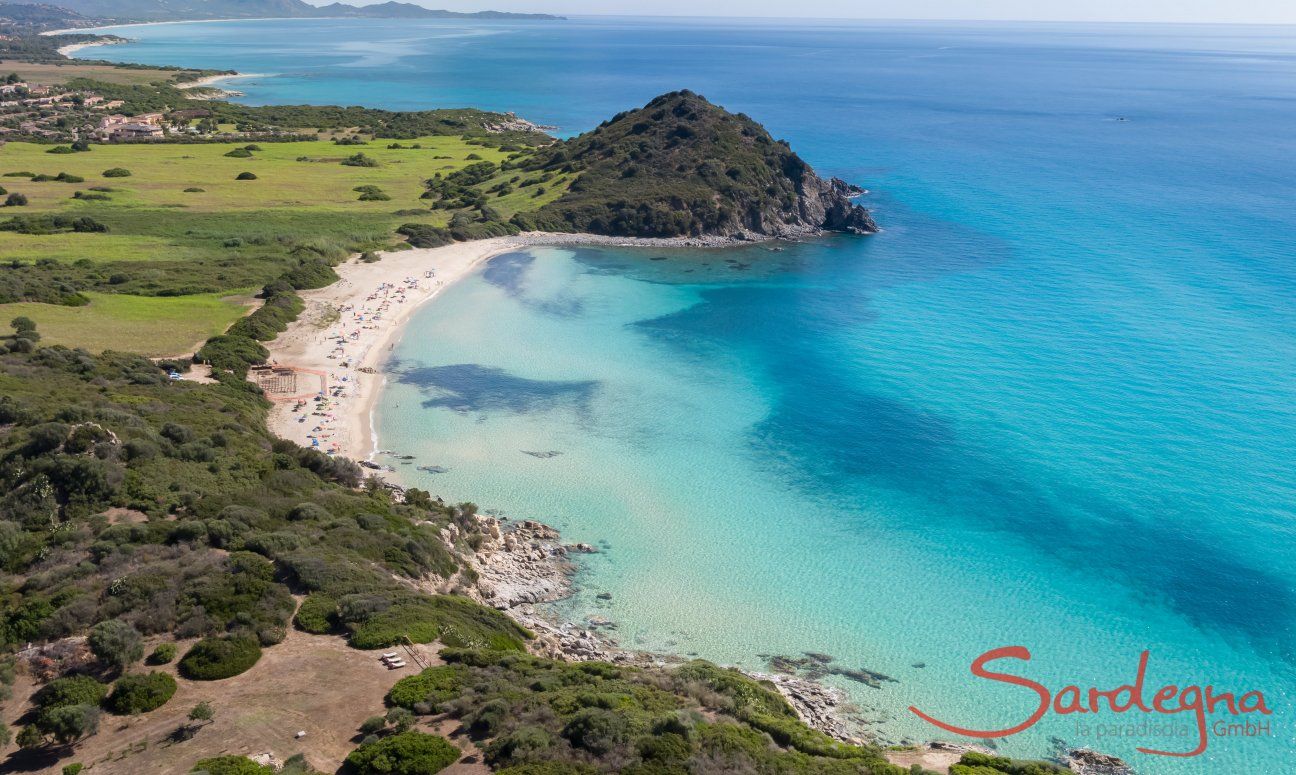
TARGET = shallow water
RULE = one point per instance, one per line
(1050, 405)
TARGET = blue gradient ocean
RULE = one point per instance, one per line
(1053, 404)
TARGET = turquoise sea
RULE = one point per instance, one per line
(1053, 404)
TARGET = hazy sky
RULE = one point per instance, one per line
(1244, 11)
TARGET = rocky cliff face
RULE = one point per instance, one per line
(683, 167)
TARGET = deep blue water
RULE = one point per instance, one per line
(1053, 404)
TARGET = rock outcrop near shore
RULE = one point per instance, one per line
(683, 167)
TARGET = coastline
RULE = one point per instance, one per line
(348, 329)
(97, 30)
(347, 332)
(371, 301)
(72, 48)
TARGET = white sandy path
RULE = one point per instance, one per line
(375, 301)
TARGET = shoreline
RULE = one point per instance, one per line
(97, 30)
(72, 48)
(347, 330)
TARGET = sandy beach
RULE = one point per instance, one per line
(72, 48)
(210, 81)
(348, 329)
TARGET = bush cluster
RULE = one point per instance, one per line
(140, 693)
(212, 659)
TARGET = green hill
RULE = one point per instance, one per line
(681, 166)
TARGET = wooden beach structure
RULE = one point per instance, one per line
(289, 383)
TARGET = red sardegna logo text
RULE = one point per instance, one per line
(1169, 700)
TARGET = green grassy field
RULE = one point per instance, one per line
(164, 240)
(54, 75)
(153, 326)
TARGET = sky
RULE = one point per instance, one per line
(1226, 11)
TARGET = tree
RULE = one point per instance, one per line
(70, 723)
(401, 719)
(202, 713)
(23, 325)
(30, 737)
(116, 643)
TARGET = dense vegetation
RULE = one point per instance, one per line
(407, 753)
(986, 764)
(538, 715)
(168, 506)
(681, 166)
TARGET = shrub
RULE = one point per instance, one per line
(64, 692)
(116, 643)
(455, 621)
(549, 768)
(212, 659)
(407, 753)
(73, 769)
(596, 730)
(239, 153)
(140, 693)
(520, 744)
(318, 614)
(433, 686)
(360, 160)
(117, 172)
(16, 199)
(195, 190)
(163, 654)
(232, 353)
(230, 765)
(60, 149)
(245, 176)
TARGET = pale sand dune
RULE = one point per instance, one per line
(367, 308)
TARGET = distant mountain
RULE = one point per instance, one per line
(179, 10)
(395, 10)
(36, 13)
